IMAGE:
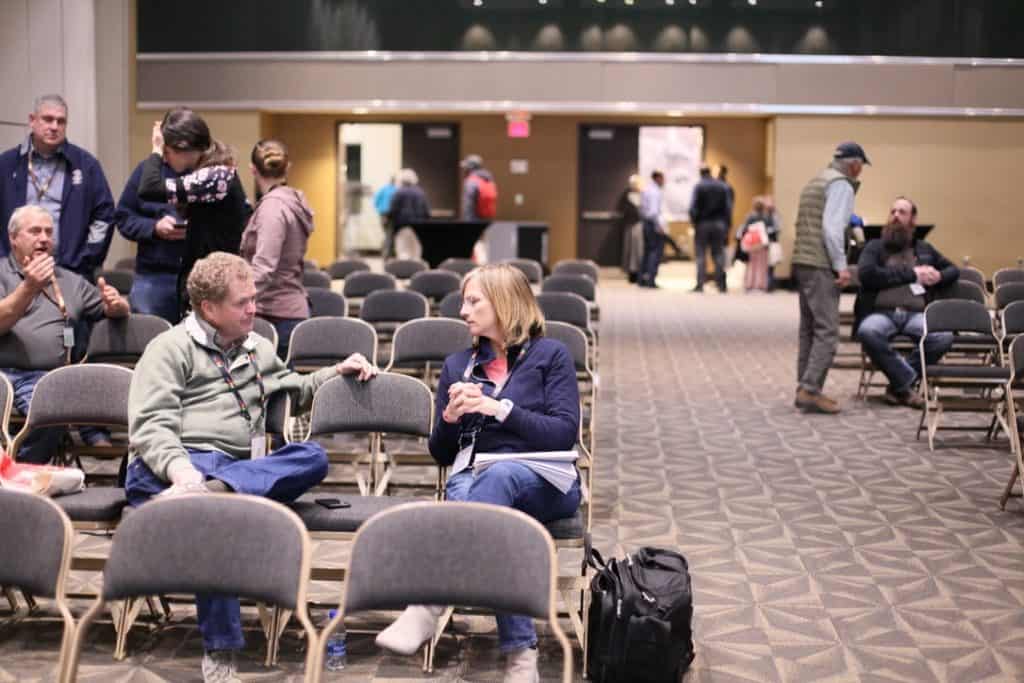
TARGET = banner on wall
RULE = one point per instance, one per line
(677, 152)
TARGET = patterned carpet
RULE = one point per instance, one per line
(822, 548)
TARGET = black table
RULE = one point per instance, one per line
(444, 238)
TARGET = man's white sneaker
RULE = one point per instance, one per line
(521, 666)
(410, 630)
(219, 667)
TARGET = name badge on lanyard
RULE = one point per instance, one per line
(259, 445)
(69, 337)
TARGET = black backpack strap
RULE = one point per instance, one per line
(595, 560)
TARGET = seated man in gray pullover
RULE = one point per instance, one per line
(196, 420)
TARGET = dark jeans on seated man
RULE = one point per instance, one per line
(284, 475)
(875, 334)
(42, 444)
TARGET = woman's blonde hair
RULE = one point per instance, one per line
(515, 307)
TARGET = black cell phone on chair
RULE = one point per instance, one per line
(333, 503)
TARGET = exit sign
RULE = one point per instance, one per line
(519, 129)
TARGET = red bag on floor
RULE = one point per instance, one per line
(45, 480)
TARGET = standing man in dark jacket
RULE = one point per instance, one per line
(67, 181)
(710, 212)
(155, 228)
(898, 278)
(408, 203)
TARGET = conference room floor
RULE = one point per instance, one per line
(822, 548)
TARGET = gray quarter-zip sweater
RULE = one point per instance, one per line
(179, 400)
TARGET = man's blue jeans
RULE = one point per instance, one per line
(156, 294)
(875, 334)
(654, 245)
(284, 475)
(41, 445)
(515, 485)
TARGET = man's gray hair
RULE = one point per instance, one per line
(211, 277)
(52, 99)
(408, 177)
(14, 225)
(845, 165)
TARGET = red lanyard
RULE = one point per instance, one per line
(218, 360)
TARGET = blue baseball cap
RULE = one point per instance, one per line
(850, 150)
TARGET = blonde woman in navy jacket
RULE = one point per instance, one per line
(536, 409)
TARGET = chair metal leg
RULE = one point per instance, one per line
(124, 614)
(431, 647)
(12, 598)
(1008, 491)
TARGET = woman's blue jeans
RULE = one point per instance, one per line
(515, 485)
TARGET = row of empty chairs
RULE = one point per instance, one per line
(210, 543)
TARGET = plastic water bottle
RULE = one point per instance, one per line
(336, 654)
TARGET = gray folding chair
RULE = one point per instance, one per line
(94, 394)
(1006, 275)
(326, 303)
(459, 266)
(1016, 356)
(451, 305)
(1008, 293)
(361, 284)
(121, 280)
(577, 284)
(265, 329)
(341, 269)
(121, 341)
(1011, 323)
(316, 278)
(577, 267)
(533, 270)
(435, 284)
(388, 404)
(962, 289)
(578, 344)
(975, 382)
(386, 310)
(319, 342)
(503, 560)
(37, 540)
(405, 268)
(567, 307)
(972, 274)
(208, 543)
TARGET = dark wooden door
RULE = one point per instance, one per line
(432, 150)
(608, 156)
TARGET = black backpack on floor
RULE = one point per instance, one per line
(639, 623)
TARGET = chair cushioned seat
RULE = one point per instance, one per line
(94, 504)
(566, 528)
(968, 372)
(318, 518)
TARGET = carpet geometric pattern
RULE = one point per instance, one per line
(822, 548)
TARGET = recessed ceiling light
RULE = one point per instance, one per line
(752, 2)
(670, 2)
(629, 2)
(693, 2)
(542, 2)
(819, 3)
(477, 3)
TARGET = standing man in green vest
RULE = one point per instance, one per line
(821, 271)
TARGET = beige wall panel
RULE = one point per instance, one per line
(962, 174)
(46, 68)
(685, 82)
(989, 87)
(312, 148)
(11, 135)
(860, 84)
(14, 62)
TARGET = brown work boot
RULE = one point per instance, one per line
(815, 403)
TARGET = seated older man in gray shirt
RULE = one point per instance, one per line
(41, 311)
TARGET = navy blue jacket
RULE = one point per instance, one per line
(82, 203)
(136, 219)
(710, 203)
(543, 389)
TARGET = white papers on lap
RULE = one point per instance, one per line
(556, 467)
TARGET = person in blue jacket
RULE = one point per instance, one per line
(64, 179)
(513, 391)
(156, 228)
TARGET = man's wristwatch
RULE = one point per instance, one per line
(504, 408)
